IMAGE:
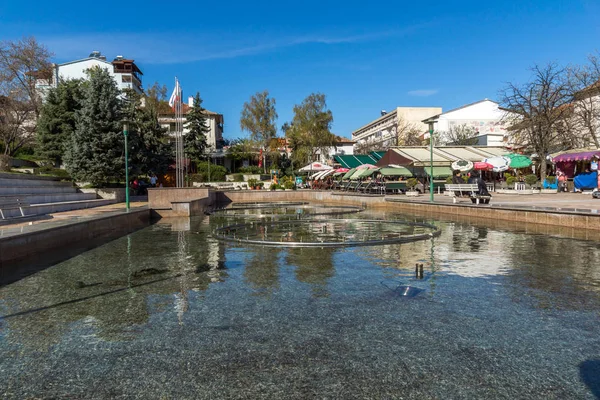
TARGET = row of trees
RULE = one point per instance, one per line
(308, 134)
(557, 109)
(79, 123)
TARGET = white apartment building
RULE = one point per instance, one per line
(485, 118)
(344, 146)
(125, 72)
(387, 130)
(214, 121)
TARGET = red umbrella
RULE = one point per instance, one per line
(342, 170)
(482, 166)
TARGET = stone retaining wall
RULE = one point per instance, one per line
(571, 220)
(58, 243)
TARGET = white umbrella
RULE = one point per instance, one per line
(462, 165)
(323, 174)
(500, 163)
(315, 167)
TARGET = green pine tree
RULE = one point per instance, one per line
(149, 152)
(95, 153)
(195, 140)
(57, 120)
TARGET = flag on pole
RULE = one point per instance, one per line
(175, 96)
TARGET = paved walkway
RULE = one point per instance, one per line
(557, 202)
(66, 217)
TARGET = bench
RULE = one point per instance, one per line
(395, 187)
(471, 189)
(12, 205)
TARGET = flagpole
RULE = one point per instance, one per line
(177, 183)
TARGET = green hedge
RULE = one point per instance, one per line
(253, 169)
(57, 172)
(217, 173)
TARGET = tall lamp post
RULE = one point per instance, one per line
(431, 162)
(125, 134)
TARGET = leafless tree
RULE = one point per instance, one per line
(584, 86)
(460, 135)
(537, 108)
(22, 63)
(17, 125)
(407, 134)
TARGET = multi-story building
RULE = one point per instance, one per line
(214, 122)
(483, 120)
(125, 72)
(391, 128)
(343, 146)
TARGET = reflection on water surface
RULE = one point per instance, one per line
(171, 312)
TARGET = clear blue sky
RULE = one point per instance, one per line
(365, 56)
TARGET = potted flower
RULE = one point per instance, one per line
(411, 184)
(252, 183)
(259, 185)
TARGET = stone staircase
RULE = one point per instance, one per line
(24, 196)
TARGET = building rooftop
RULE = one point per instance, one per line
(435, 117)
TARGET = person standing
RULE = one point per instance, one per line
(153, 180)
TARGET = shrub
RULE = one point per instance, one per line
(238, 177)
(465, 178)
(412, 182)
(551, 180)
(48, 170)
(510, 180)
(253, 169)
(449, 179)
(217, 173)
(531, 180)
(288, 184)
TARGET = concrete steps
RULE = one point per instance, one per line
(25, 196)
(49, 208)
(4, 182)
(18, 190)
(46, 198)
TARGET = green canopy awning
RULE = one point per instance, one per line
(353, 161)
(395, 171)
(518, 161)
(439, 172)
(349, 173)
(363, 173)
(367, 172)
(378, 155)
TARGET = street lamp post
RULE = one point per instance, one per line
(125, 134)
(431, 162)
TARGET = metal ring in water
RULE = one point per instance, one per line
(344, 210)
(222, 234)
